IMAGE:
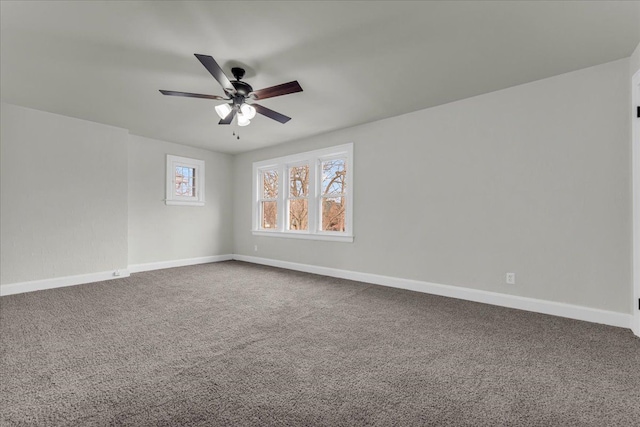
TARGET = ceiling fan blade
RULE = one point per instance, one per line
(279, 90)
(212, 66)
(271, 114)
(227, 120)
(191, 95)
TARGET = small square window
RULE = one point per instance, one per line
(185, 181)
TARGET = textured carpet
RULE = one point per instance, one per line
(238, 344)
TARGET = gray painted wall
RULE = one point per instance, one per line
(80, 197)
(63, 198)
(634, 61)
(534, 179)
(158, 232)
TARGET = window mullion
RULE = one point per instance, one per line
(282, 198)
(312, 199)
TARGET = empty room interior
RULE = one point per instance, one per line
(352, 213)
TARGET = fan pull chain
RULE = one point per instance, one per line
(236, 132)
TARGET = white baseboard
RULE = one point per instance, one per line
(504, 300)
(137, 268)
(570, 311)
(59, 282)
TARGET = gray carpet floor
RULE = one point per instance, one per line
(239, 344)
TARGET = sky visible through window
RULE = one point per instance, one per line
(185, 181)
(333, 177)
(269, 207)
(333, 187)
(298, 193)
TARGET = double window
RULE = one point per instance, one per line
(307, 195)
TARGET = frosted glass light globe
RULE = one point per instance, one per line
(248, 111)
(223, 110)
(242, 120)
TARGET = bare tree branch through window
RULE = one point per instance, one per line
(334, 185)
(298, 198)
(269, 204)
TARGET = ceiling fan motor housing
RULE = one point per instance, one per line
(243, 89)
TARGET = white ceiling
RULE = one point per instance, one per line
(356, 61)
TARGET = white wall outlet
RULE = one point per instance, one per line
(255, 248)
(511, 278)
(116, 273)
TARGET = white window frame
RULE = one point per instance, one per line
(314, 160)
(171, 197)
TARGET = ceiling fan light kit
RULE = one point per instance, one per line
(248, 111)
(242, 120)
(223, 110)
(238, 92)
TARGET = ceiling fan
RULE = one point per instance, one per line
(238, 92)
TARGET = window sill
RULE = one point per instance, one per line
(183, 203)
(306, 236)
